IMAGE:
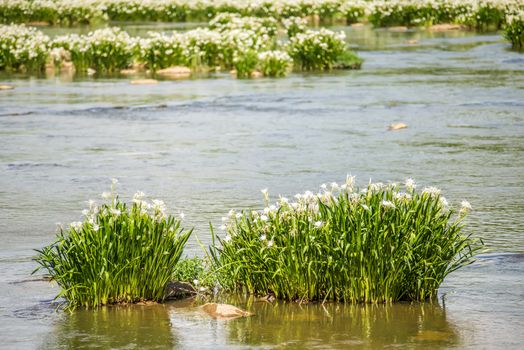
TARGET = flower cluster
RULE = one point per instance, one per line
(275, 63)
(108, 49)
(514, 30)
(379, 12)
(317, 50)
(117, 253)
(22, 47)
(232, 42)
(382, 243)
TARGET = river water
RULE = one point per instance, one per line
(205, 146)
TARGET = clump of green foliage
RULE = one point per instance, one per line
(117, 254)
(374, 245)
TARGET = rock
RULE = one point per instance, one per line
(412, 42)
(446, 27)
(178, 290)
(144, 82)
(256, 74)
(397, 126)
(39, 24)
(398, 29)
(176, 71)
(67, 65)
(6, 87)
(91, 71)
(233, 72)
(224, 311)
(356, 25)
(128, 71)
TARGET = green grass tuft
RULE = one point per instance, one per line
(117, 254)
(374, 245)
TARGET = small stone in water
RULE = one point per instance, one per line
(397, 126)
(6, 87)
(224, 311)
(144, 82)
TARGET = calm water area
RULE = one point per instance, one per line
(210, 144)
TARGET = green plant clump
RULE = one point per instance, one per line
(317, 50)
(117, 254)
(22, 48)
(372, 245)
(514, 30)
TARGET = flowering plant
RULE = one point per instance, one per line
(378, 244)
(117, 253)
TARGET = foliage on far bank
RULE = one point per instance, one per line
(242, 44)
(118, 253)
(377, 244)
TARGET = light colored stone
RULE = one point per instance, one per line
(397, 126)
(412, 42)
(144, 82)
(224, 311)
(6, 87)
(398, 29)
(446, 27)
(128, 71)
(38, 24)
(356, 25)
(233, 72)
(177, 71)
(256, 74)
(91, 71)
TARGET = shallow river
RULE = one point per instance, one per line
(207, 145)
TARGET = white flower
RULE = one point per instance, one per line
(387, 204)
(410, 184)
(96, 227)
(238, 215)
(318, 224)
(431, 191)
(223, 227)
(181, 215)
(263, 217)
(107, 195)
(114, 181)
(85, 212)
(115, 211)
(365, 207)
(465, 207)
(224, 219)
(270, 243)
(195, 282)
(138, 196)
(228, 238)
(77, 225)
(263, 237)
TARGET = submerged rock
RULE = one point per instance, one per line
(179, 290)
(144, 82)
(397, 126)
(446, 27)
(256, 74)
(224, 311)
(176, 71)
(6, 87)
(128, 71)
(398, 29)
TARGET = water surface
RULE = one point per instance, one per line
(208, 145)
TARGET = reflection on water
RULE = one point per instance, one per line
(335, 326)
(279, 325)
(116, 327)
